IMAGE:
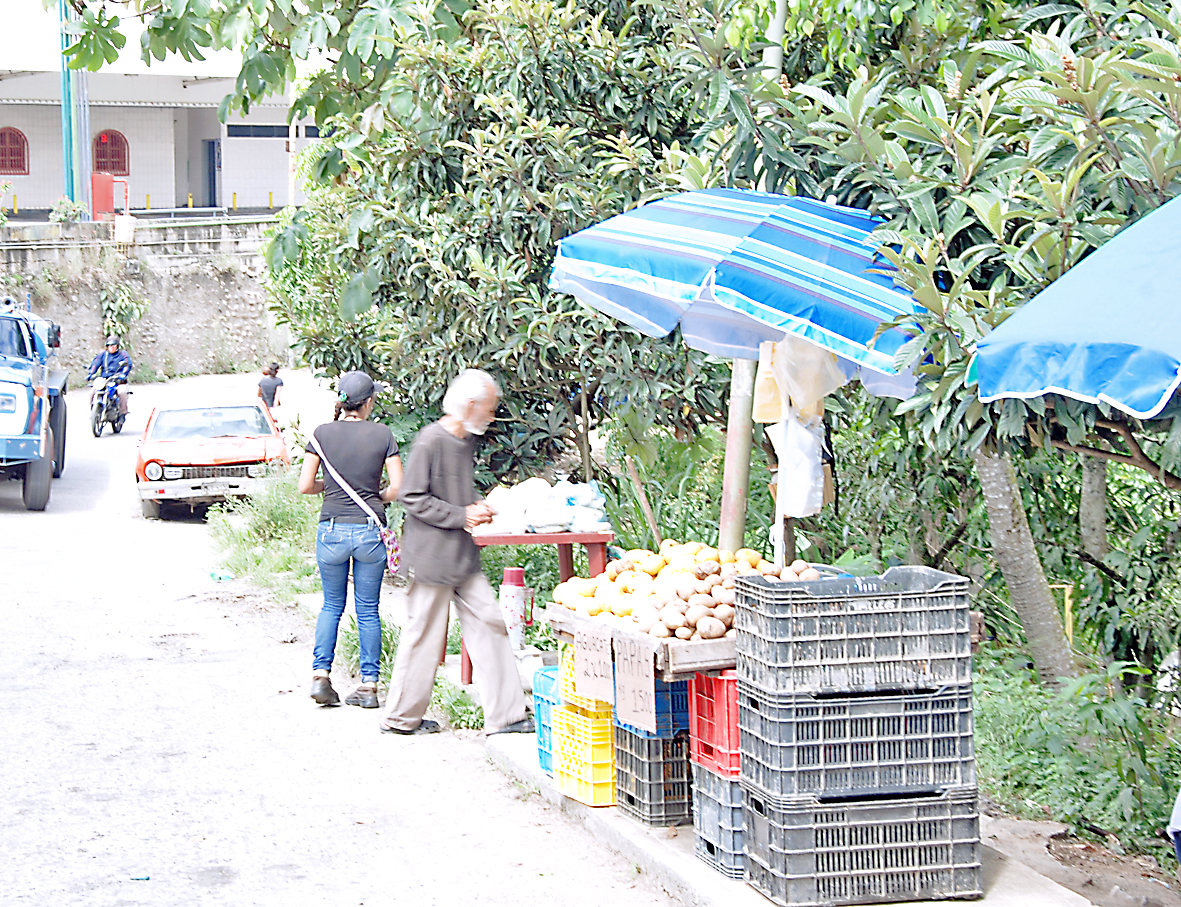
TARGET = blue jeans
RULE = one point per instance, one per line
(338, 544)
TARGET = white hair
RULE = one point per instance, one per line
(470, 384)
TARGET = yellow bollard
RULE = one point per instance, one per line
(235, 197)
(270, 199)
(147, 203)
(190, 199)
(15, 208)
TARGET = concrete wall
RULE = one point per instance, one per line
(167, 154)
(42, 127)
(206, 310)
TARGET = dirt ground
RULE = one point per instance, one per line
(159, 746)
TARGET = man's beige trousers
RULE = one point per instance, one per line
(424, 639)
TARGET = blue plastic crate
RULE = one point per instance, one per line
(672, 711)
(545, 683)
(545, 697)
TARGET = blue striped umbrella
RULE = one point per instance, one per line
(735, 268)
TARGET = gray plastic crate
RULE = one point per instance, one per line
(652, 778)
(908, 629)
(864, 852)
(867, 745)
(717, 821)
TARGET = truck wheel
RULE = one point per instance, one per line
(38, 475)
(150, 509)
(96, 418)
(57, 424)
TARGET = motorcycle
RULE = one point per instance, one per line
(104, 406)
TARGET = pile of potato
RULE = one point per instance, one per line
(685, 590)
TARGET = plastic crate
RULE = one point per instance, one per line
(545, 697)
(718, 821)
(908, 743)
(584, 756)
(864, 852)
(566, 685)
(652, 778)
(672, 711)
(713, 722)
(907, 629)
(592, 793)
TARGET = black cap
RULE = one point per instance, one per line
(355, 387)
(112, 340)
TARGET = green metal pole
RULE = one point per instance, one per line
(67, 108)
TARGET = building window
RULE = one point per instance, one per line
(14, 152)
(252, 131)
(110, 153)
(311, 132)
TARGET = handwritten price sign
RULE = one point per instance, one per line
(592, 662)
(635, 684)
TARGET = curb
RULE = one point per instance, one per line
(666, 855)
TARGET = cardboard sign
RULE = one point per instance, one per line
(593, 676)
(635, 684)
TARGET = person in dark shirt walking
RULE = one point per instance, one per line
(268, 387)
(357, 451)
(443, 563)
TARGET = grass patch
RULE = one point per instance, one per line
(270, 538)
(1090, 755)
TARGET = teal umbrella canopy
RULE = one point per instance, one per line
(1107, 331)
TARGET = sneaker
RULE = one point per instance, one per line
(426, 727)
(524, 726)
(323, 693)
(364, 696)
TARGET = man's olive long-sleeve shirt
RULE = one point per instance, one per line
(437, 487)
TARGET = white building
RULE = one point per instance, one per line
(156, 126)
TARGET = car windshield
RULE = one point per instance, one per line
(12, 341)
(223, 422)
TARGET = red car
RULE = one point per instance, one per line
(204, 455)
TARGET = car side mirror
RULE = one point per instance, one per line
(54, 335)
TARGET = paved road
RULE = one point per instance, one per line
(157, 745)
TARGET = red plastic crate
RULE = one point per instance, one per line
(713, 722)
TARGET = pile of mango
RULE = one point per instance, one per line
(685, 590)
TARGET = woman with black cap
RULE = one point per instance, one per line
(353, 452)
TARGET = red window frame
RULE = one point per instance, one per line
(111, 153)
(14, 152)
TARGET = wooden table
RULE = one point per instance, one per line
(595, 544)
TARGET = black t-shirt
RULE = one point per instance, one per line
(268, 385)
(358, 451)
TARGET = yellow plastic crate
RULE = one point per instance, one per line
(566, 685)
(584, 745)
(589, 792)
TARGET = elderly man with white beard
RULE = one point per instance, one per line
(442, 563)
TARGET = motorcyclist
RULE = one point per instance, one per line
(113, 363)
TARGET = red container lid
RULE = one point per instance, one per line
(513, 576)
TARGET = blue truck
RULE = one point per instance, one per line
(32, 402)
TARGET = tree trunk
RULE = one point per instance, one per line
(1012, 546)
(1092, 507)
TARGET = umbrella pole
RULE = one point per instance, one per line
(739, 441)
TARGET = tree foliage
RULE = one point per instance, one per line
(433, 244)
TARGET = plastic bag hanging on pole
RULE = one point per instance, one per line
(800, 481)
(794, 373)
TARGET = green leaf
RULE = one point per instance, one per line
(357, 296)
